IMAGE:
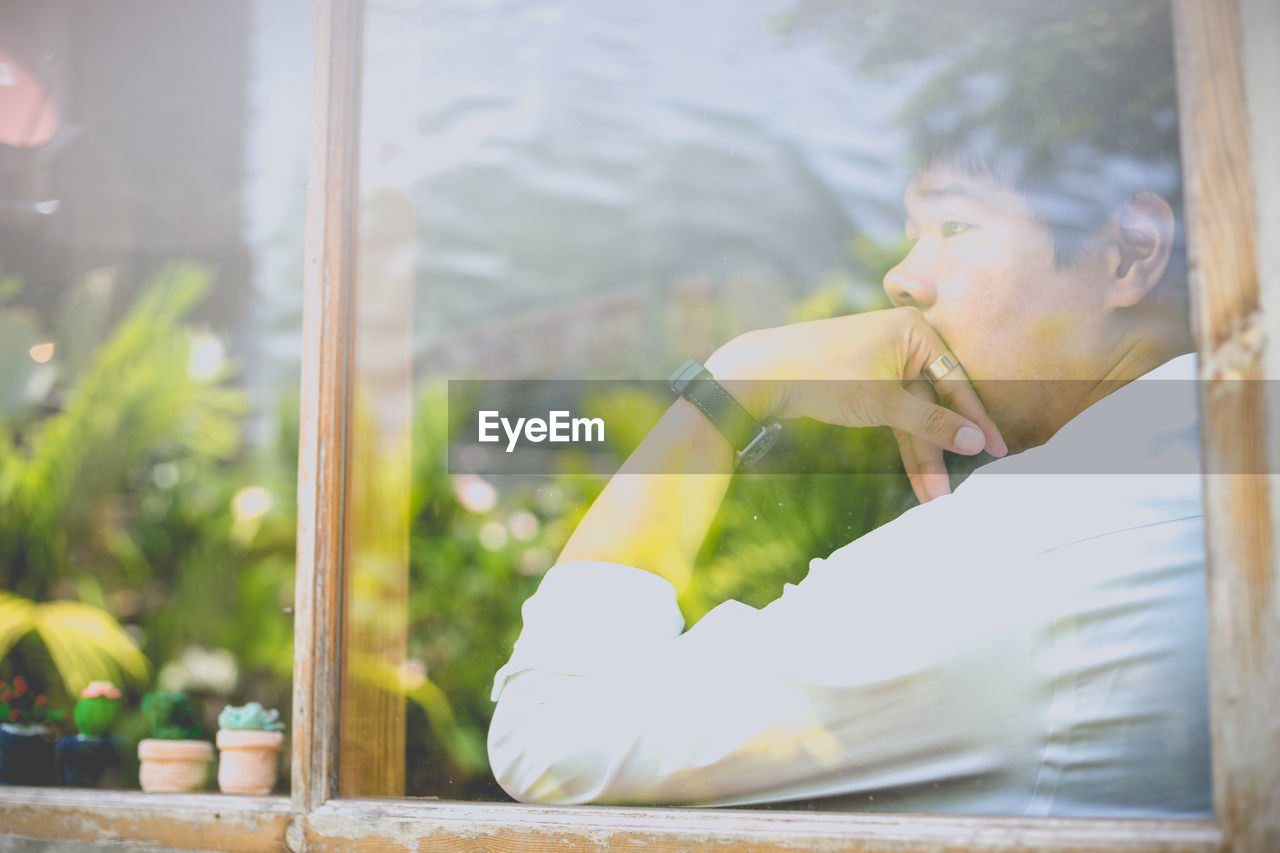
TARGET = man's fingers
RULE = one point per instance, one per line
(933, 470)
(935, 424)
(926, 470)
(955, 389)
(907, 450)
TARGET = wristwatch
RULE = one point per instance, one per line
(750, 438)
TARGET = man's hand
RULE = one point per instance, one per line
(864, 370)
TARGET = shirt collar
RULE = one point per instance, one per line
(1149, 425)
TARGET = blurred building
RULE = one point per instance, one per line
(139, 154)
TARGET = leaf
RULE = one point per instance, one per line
(15, 620)
(87, 644)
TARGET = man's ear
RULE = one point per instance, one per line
(1142, 237)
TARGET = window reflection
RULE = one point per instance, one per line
(578, 192)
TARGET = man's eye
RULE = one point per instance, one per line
(951, 227)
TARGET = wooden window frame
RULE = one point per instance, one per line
(1243, 579)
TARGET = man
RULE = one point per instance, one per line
(1031, 644)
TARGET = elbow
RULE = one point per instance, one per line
(530, 772)
(546, 754)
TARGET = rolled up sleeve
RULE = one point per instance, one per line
(834, 687)
(558, 729)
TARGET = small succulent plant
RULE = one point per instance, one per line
(171, 716)
(251, 717)
(97, 709)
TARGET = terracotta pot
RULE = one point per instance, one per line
(173, 766)
(248, 761)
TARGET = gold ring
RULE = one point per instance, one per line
(941, 366)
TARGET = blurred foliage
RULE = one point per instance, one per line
(171, 716)
(135, 401)
(141, 534)
(20, 706)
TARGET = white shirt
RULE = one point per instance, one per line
(1032, 644)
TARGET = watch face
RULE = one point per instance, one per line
(760, 446)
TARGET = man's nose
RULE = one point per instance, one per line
(907, 286)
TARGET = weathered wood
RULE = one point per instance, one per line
(375, 675)
(323, 442)
(1244, 611)
(218, 822)
(1260, 32)
(386, 826)
(171, 821)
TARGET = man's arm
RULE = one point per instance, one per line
(850, 371)
(602, 641)
(657, 522)
(859, 678)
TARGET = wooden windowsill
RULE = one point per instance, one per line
(235, 823)
(177, 821)
(400, 824)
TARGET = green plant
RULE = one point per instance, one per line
(69, 482)
(171, 716)
(97, 709)
(20, 706)
(138, 524)
(251, 717)
(136, 396)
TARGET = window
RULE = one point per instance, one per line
(624, 189)
(151, 339)
(1243, 632)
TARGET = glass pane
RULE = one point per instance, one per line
(561, 202)
(152, 171)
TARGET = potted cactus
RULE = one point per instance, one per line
(174, 759)
(85, 756)
(26, 735)
(249, 740)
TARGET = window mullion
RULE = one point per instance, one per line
(1244, 634)
(326, 378)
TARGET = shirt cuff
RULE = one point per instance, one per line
(587, 617)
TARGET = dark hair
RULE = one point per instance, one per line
(1072, 191)
(1078, 117)
(1073, 104)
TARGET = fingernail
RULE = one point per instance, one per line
(969, 440)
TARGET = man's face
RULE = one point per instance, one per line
(982, 272)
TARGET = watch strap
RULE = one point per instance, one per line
(748, 436)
